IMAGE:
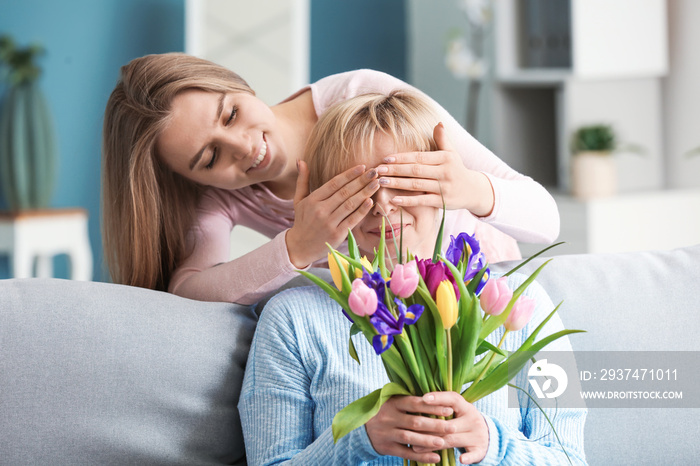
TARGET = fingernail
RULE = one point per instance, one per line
(382, 170)
(437, 442)
(389, 159)
(447, 411)
(397, 201)
(359, 170)
(371, 174)
(384, 181)
(429, 397)
(374, 184)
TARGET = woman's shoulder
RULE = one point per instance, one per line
(342, 86)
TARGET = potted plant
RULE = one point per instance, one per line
(593, 171)
(27, 143)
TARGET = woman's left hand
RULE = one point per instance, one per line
(437, 172)
(470, 430)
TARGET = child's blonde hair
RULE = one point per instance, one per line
(346, 131)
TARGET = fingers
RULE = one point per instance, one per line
(441, 139)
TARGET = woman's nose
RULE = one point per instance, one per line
(237, 145)
(382, 202)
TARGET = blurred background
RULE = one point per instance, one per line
(629, 64)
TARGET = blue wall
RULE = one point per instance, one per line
(88, 40)
(347, 35)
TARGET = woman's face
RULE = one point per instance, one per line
(420, 224)
(223, 140)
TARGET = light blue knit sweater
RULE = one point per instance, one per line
(300, 374)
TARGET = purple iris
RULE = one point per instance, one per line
(434, 273)
(468, 246)
(387, 325)
(376, 282)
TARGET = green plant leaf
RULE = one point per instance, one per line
(487, 346)
(511, 271)
(360, 411)
(512, 365)
(354, 330)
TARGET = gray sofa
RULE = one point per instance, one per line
(96, 373)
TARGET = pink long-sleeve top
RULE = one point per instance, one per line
(523, 211)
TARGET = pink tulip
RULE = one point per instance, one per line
(495, 296)
(404, 279)
(362, 299)
(520, 315)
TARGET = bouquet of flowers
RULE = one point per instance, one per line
(429, 320)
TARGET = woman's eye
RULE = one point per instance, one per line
(213, 159)
(234, 111)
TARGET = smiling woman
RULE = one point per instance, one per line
(190, 152)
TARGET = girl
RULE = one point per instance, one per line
(189, 152)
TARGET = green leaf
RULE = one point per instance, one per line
(360, 411)
(353, 250)
(438, 241)
(487, 346)
(354, 330)
(512, 365)
(532, 257)
(380, 253)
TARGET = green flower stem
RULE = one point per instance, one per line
(488, 364)
(449, 360)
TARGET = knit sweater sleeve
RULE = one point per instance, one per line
(277, 409)
(208, 274)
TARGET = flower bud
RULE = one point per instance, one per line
(362, 299)
(404, 279)
(366, 264)
(495, 296)
(446, 301)
(521, 314)
(335, 271)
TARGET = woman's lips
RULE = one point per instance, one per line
(388, 232)
(260, 159)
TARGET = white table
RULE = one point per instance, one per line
(41, 234)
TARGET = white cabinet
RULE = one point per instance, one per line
(614, 53)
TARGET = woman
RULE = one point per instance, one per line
(299, 372)
(189, 152)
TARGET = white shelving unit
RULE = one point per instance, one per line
(615, 53)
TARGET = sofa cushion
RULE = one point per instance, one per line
(97, 373)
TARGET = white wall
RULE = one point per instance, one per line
(681, 91)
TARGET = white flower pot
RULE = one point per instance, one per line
(593, 175)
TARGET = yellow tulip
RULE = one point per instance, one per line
(335, 271)
(367, 265)
(446, 301)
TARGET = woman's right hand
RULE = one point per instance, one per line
(399, 423)
(325, 215)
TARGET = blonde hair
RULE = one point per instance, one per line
(347, 130)
(147, 209)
